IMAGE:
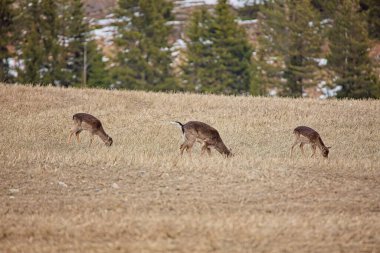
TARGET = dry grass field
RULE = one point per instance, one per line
(140, 196)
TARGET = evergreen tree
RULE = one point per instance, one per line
(233, 52)
(349, 58)
(31, 47)
(218, 55)
(268, 64)
(50, 39)
(143, 58)
(40, 47)
(374, 19)
(7, 30)
(200, 55)
(325, 7)
(54, 44)
(291, 30)
(32, 54)
(97, 75)
(74, 29)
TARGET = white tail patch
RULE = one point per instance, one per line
(179, 125)
(175, 123)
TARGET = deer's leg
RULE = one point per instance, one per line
(209, 151)
(291, 150)
(73, 131)
(77, 135)
(182, 147)
(314, 147)
(91, 139)
(205, 148)
(185, 146)
(70, 135)
(188, 144)
(188, 149)
(301, 147)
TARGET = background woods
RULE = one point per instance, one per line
(312, 48)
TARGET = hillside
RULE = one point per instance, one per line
(140, 196)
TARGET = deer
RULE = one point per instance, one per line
(196, 131)
(84, 121)
(306, 135)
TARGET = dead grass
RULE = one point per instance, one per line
(140, 196)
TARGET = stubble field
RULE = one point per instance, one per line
(140, 196)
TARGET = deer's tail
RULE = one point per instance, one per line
(179, 124)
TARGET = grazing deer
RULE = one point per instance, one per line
(306, 135)
(198, 131)
(84, 121)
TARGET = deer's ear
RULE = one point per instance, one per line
(328, 147)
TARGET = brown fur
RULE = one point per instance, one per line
(84, 121)
(306, 135)
(198, 131)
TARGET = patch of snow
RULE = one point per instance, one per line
(105, 33)
(205, 42)
(179, 44)
(13, 73)
(321, 61)
(247, 22)
(12, 62)
(234, 3)
(272, 92)
(175, 22)
(326, 21)
(330, 92)
(106, 21)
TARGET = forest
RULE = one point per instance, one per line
(301, 44)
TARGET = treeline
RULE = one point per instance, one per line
(49, 42)
(45, 42)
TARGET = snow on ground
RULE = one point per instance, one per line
(328, 92)
(105, 33)
(247, 22)
(234, 3)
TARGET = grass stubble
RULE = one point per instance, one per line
(140, 196)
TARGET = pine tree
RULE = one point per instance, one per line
(32, 54)
(31, 46)
(74, 29)
(349, 46)
(143, 58)
(232, 50)
(325, 7)
(97, 75)
(41, 48)
(7, 30)
(54, 44)
(200, 55)
(374, 19)
(268, 61)
(219, 54)
(50, 40)
(292, 33)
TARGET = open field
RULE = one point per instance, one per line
(140, 196)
